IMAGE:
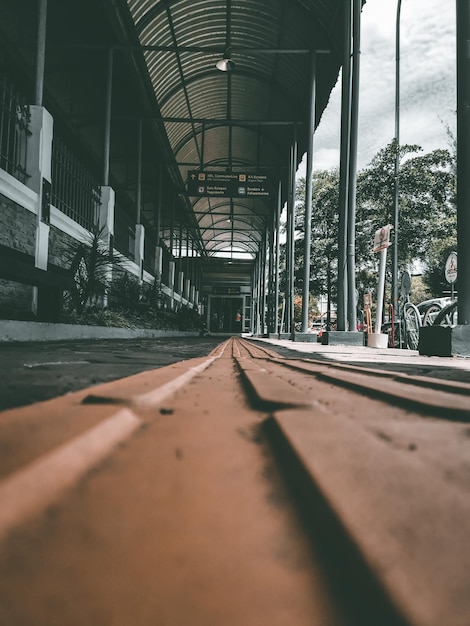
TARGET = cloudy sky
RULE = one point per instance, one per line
(427, 83)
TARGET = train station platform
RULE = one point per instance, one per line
(452, 368)
(268, 482)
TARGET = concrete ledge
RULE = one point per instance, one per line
(11, 330)
(444, 341)
(309, 337)
(342, 338)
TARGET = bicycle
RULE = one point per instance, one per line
(447, 316)
(403, 332)
(430, 309)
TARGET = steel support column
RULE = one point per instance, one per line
(107, 118)
(396, 199)
(40, 52)
(351, 230)
(158, 206)
(346, 78)
(262, 287)
(277, 229)
(463, 159)
(290, 252)
(271, 289)
(308, 195)
(138, 191)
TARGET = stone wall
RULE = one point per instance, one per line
(17, 226)
(59, 244)
(15, 300)
(17, 231)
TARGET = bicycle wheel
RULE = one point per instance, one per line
(412, 320)
(448, 315)
(431, 314)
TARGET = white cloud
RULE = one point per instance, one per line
(427, 81)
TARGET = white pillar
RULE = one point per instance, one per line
(106, 215)
(106, 225)
(39, 166)
(187, 288)
(171, 282)
(180, 284)
(158, 262)
(139, 248)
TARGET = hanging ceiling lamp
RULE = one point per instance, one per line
(225, 64)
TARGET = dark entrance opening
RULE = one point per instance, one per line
(226, 315)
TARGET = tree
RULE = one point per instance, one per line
(324, 229)
(426, 199)
(427, 215)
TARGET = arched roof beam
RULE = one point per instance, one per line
(235, 218)
(240, 72)
(193, 135)
(213, 208)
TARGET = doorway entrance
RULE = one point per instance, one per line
(226, 315)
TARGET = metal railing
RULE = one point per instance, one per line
(15, 119)
(149, 246)
(74, 190)
(124, 233)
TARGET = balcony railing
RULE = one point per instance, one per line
(14, 131)
(124, 233)
(74, 190)
(149, 247)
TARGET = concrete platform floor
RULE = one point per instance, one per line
(229, 490)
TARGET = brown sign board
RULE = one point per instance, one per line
(213, 184)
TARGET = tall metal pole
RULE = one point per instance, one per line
(138, 194)
(352, 316)
(292, 235)
(263, 283)
(290, 238)
(346, 79)
(308, 195)
(40, 52)
(463, 159)
(271, 260)
(158, 206)
(396, 203)
(277, 258)
(107, 118)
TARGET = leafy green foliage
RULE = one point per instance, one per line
(324, 231)
(131, 304)
(90, 265)
(135, 305)
(427, 218)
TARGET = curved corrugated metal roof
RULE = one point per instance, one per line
(241, 120)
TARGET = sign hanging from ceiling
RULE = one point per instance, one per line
(229, 184)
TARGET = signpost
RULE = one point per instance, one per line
(381, 244)
(451, 271)
(368, 309)
(213, 184)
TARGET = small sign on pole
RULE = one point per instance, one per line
(367, 301)
(451, 271)
(451, 268)
(381, 244)
(382, 238)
